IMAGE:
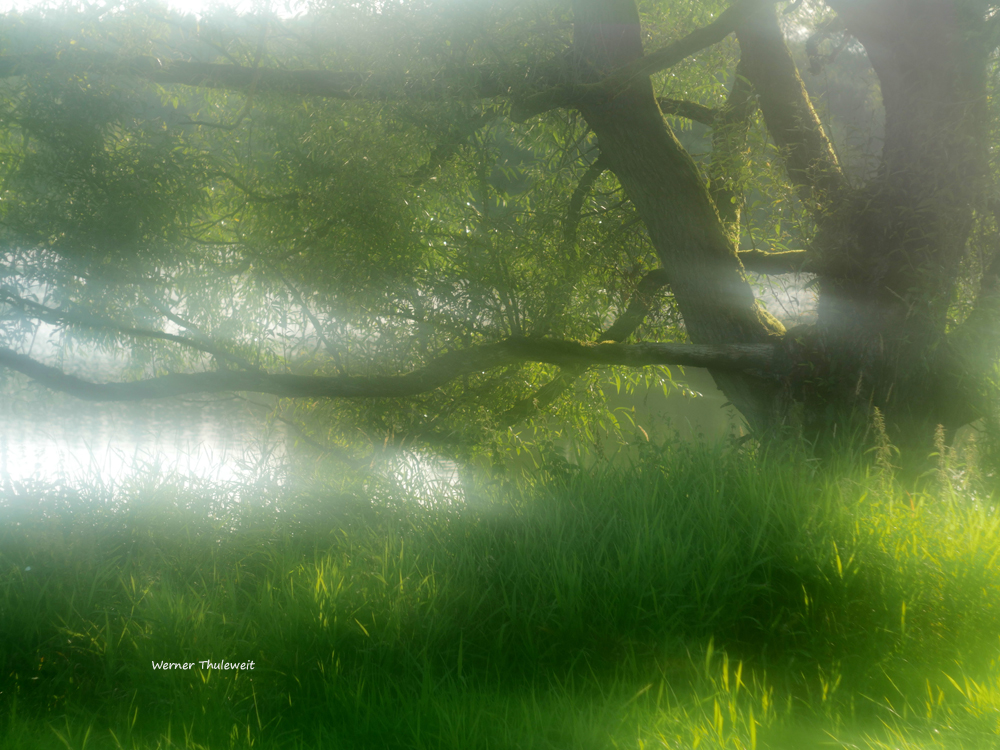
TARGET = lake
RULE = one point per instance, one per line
(79, 441)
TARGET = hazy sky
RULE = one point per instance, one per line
(282, 8)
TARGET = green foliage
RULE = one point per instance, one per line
(314, 235)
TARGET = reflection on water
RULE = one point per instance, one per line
(217, 441)
(211, 442)
(57, 440)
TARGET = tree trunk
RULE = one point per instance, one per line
(888, 255)
(660, 178)
(889, 281)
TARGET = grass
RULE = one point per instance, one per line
(697, 599)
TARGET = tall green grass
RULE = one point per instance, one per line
(698, 598)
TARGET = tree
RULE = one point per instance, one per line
(446, 202)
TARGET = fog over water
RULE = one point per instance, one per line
(80, 441)
(54, 438)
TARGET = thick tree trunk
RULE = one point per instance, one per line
(888, 255)
(889, 283)
(662, 181)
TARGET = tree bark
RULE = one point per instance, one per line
(696, 253)
(885, 295)
(887, 255)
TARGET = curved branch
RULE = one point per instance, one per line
(573, 214)
(696, 41)
(253, 195)
(561, 96)
(824, 31)
(438, 372)
(788, 261)
(560, 287)
(444, 151)
(440, 155)
(638, 308)
(482, 81)
(317, 326)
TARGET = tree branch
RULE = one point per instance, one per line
(792, 122)
(563, 95)
(250, 193)
(437, 373)
(824, 31)
(620, 330)
(696, 41)
(789, 261)
(688, 110)
(638, 307)
(484, 81)
(444, 151)
(561, 287)
(300, 301)
(583, 187)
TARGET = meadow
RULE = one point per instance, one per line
(700, 597)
